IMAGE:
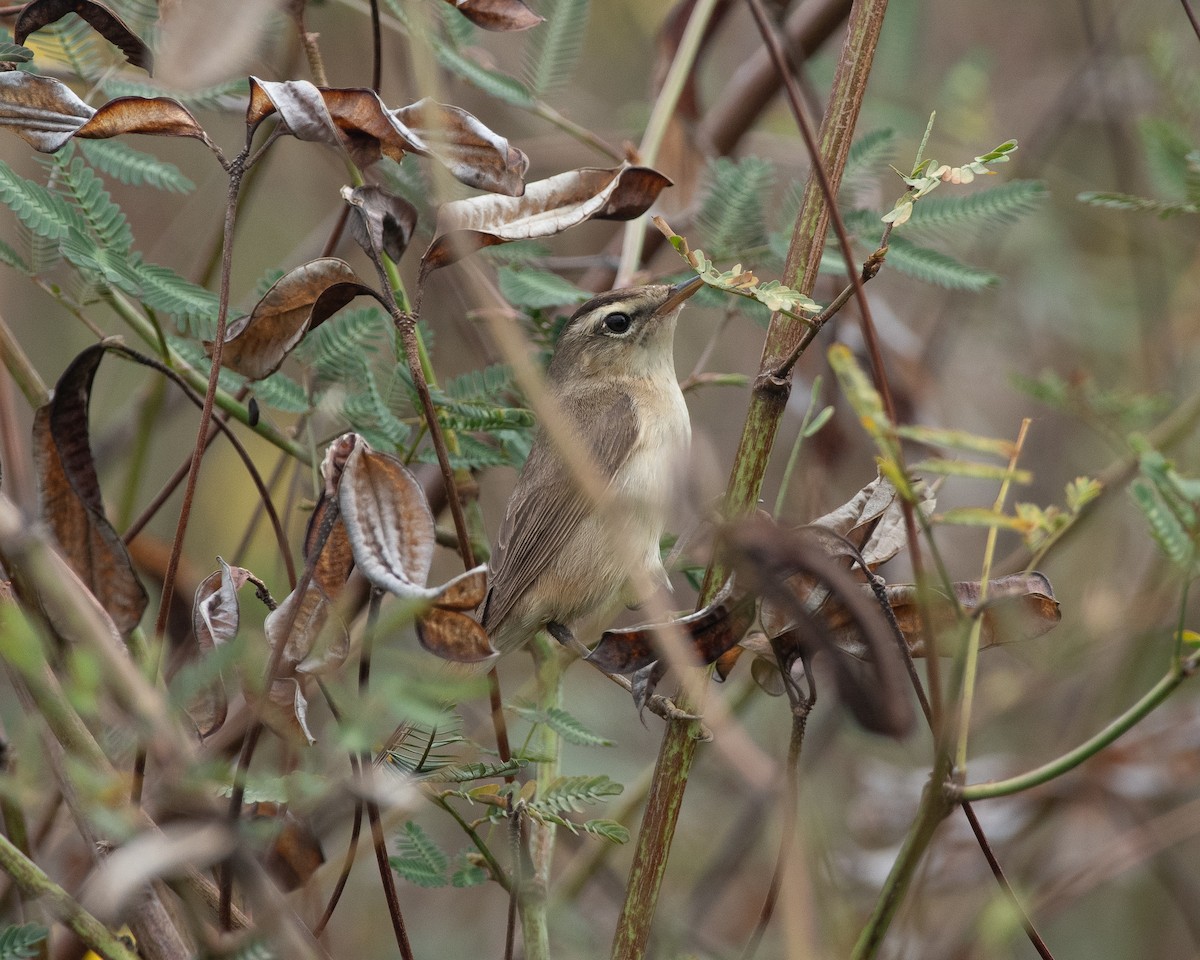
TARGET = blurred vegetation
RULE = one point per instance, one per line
(1064, 289)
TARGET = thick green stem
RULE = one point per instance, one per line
(535, 895)
(754, 450)
(34, 883)
(1089, 748)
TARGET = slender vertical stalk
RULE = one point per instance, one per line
(758, 436)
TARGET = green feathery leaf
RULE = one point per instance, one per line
(191, 306)
(43, 211)
(76, 46)
(732, 214)
(21, 942)
(1166, 147)
(14, 53)
(475, 454)
(1127, 201)
(281, 392)
(998, 205)
(554, 46)
(565, 725)
(537, 289)
(105, 220)
(419, 860)
(937, 268)
(609, 830)
(466, 772)
(1165, 527)
(337, 348)
(492, 82)
(133, 167)
(13, 259)
(571, 794)
(468, 874)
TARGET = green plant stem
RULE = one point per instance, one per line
(661, 116)
(971, 657)
(34, 883)
(1089, 748)
(226, 401)
(535, 892)
(936, 804)
(21, 368)
(768, 401)
(497, 871)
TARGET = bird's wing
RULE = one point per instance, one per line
(547, 505)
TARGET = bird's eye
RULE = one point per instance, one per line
(618, 322)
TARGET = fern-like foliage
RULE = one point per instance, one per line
(10, 256)
(460, 31)
(105, 221)
(419, 860)
(42, 211)
(571, 794)
(1170, 502)
(532, 289)
(868, 153)
(336, 349)
(1004, 204)
(942, 270)
(281, 392)
(192, 307)
(74, 46)
(494, 83)
(1127, 201)
(732, 215)
(565, 725)
(554, 46)
(133, 167)
(425, 750)
(21, 942)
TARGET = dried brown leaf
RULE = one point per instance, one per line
(215, 619)
(302, 299)
(473, 153)
(357, 121)
(380, 221)
(497, 14)
(388, 522)
(447, 629)
(39, 13)
(71, 503)
(295, 853)
(546, 208)
(41, 111)
(153, 116)
(711, 631)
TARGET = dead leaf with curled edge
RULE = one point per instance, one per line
(40, 13)
(357, 121)
(497, 14)
(215, 619)
(46, 113)
(71, 503)
(391, 534)
(380, 221)
(547, 207)
(710, 632)
(299, 301)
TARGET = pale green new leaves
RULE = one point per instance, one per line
(929, 175)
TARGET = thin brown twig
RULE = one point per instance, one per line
(1191, 15)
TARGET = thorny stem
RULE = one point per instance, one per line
(762, 423)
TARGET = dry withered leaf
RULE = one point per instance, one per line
(215, 619)
(39, 13)
(295, 853)
(71, 503)
(447, 628)
(767, 560)
(380, 221)
(46, 113)
(357, 121)
(391, 534)
(304, 298)
(711, 631)
(497, 14)
(1018, 607)
(473, 153)
(388, 521)
(546, 208)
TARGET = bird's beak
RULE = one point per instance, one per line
(678, 294)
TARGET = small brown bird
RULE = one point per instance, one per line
(564, 556)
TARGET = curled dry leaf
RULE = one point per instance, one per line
(380, 221)
(295, 853)
(46, 113)
(546, 208)
(39, 13)
(215, 620)
(71, 503)
(447, 628)
(497, 14)
(391, 534)
(302, 299)
(357, 121)
(768, 560)
(711, 631)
